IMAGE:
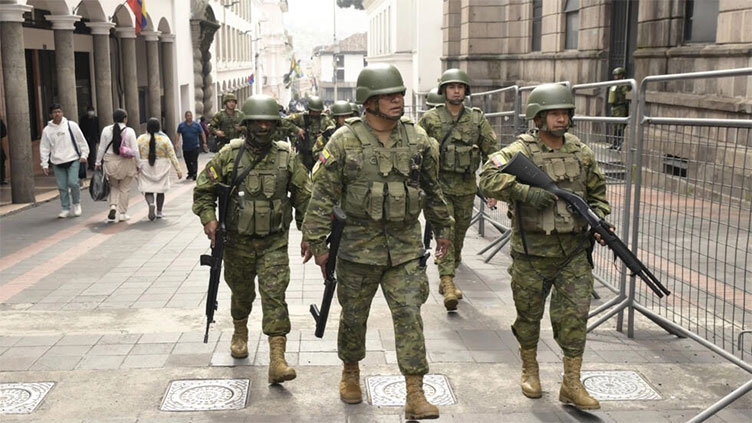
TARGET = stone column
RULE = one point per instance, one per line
(167, 42)
(102, 70)
(65, 62)
(130, 77)
(17, 102)
(152, 70)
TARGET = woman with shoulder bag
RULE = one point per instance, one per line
(118, 150)
(154, 175)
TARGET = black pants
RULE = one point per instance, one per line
(191, 161)
(91, 160)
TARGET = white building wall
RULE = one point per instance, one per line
(353, 66)
(428, 45)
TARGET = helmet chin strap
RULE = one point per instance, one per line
(456, 102)
(544, 127)
(380, 114)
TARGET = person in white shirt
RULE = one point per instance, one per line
(64, 145)
(118, 150)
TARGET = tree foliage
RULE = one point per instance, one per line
(358, 4)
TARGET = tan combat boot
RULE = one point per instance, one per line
(416, 405)
(279, 371)
(572, 391)
(457, 291)
(446, 288)
(530, 381)
(239, 342)
(349, 386)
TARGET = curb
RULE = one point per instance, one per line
(44, 197)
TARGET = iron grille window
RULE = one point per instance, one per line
(537, 18)
(572, 16)
(340, 74)
(700, 21)
(675, 165)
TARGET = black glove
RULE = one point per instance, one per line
(540, 198)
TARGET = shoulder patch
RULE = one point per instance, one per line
(324, 156)
(496, 160)
(211, 173)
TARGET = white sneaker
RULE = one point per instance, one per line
(77, 209)
(124, 217)
(63, 214)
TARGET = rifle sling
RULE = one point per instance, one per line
(236, 179)
(451, 128)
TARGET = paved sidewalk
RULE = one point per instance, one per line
(113, 313)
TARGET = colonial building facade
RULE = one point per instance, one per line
(349, 57)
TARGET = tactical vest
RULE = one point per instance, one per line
(265, 207)
(460, 153)
(568, 172)
(382, 184)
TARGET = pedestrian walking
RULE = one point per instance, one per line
(194, 140)
(617, 99)
(226, 124)
(156, 158)
(261, 172)
(380, 169)
(90, 127)
(465, 139)
(3, 133)
(551, 244)
(207, 135)
(64, 145)
(118, 150)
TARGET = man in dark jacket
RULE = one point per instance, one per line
(89, 124)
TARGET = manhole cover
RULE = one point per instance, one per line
(208, 394)
(22, 398)
(389, 391)
(618, 385)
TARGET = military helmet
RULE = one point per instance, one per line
(260, 107)
(229, 97)
(548, 97)
(454, 75)
(341, 108)
(433, 98)
(355, 108)
(377, 79)
(618, 71)
(315, 104)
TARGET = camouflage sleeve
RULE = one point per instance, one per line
(215, 123)
(493, 183)
(436, 209)
(319, 145)
(289, 127)
(300, 188)
(488, 143)
(327, 191)
(435, 152)
(596, 185)
(425, 123)
(205, 191)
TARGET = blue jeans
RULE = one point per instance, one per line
(67, 178)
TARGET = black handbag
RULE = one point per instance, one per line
(81, 167)
(99, 187)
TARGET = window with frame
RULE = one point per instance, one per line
(700, 21)
(572, 19)
(340, 66)
(536, 30)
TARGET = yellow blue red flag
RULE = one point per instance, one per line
(139, 10)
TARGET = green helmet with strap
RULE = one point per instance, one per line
(433, 98)
(355, 108)
(260, 107)
(618, 71)
(454, 75)
(229, 97)
(315, 104)
(378, 79)
(341, 108)
(548, 97)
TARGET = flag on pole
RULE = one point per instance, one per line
(251, 79)
(139, 10)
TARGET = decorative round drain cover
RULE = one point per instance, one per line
(22, 398)
(618, 386)
(203, 395)
(390, 391)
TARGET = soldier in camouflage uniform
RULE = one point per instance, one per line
(617, 99)
(550, 244)
(258, 221)
(340, 110)
(306, 127)
(227, 123)
(380, 169)
(465, 140)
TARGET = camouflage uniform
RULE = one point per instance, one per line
(617, 98)
(556, 239)
(258, 226)
(382, 190)
(290, 126)
(323, 139)
(470, 143)
(231, 125)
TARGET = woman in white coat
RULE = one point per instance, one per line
(119, 151)
(157, 157)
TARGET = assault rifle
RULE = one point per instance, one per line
(330, 281)
(214, 261)
(427, 236)
(528, 173)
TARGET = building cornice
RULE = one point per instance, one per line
(100, 28)
(63, 22)
(13, 12)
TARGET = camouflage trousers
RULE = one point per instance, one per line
(619, 111)
(405, 288)
(243, 262)
(461, 208)
(572, 287)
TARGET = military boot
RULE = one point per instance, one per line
(279, 371)
(349, 386)
(572, 391)
(446, 288)
(239, 342)
(416, 405)
(530, 381)
(457, 291)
